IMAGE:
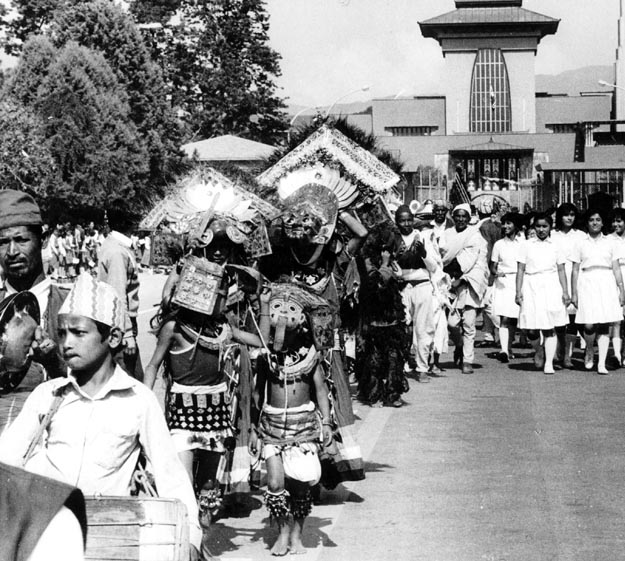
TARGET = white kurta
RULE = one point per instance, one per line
(597, 293)
(506, 255)
(568, 243)
(542, 306)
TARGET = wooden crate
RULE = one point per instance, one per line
(141, 529)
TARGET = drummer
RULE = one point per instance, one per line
(21, 261)
(100, 418)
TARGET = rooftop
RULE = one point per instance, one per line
(228, 148)
(483, 3)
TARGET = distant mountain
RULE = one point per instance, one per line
(573, 82)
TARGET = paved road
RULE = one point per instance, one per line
(507, 464)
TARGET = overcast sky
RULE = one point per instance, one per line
(332, 47)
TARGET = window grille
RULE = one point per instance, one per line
(490, 93)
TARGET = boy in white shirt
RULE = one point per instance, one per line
(101, 418)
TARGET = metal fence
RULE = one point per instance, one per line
(530, 194)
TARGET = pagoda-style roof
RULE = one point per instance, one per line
(475, 18)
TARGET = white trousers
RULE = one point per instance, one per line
(420, 304)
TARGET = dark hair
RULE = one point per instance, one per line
(564, 209)
(514, 217)
(617, 213)
(543, 216)
(592, 211)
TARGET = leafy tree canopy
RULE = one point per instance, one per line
(25, 160)
(99, 158)
(221, 68)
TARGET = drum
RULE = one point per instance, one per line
(141, 529)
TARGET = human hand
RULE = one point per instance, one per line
(419, 248)
(327, 435)
(566, 299)
(519, 299)
(386, 257)
(130, 347)
(622, 297)
(42, 346)
(252, 444)
(265, 294)
(574, 300)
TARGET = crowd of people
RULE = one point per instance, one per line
(70, 249)
(256, 352)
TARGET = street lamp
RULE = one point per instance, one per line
(608, 85)
(362, 89)
(292, 121)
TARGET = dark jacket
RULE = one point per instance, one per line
(28, 503)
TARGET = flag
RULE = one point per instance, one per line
(493, 97)
(459, 193)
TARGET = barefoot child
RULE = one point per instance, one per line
(295, 417)
(98, 417)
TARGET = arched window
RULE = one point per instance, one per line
(490, 93)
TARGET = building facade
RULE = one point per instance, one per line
(488, 128)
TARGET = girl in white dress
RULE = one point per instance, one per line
(568, 238)
(542, 292)
(503, 266)
(618, 236)
(597, 289)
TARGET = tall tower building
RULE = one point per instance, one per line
(619, 70)
(490, 48)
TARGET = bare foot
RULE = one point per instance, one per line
(281, 547)
(297, 547)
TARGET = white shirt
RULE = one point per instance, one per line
(568, 241)
(597, 252)
(41, 291)
(121, 238)
(541, 256)
(93, 443)
(506, 254)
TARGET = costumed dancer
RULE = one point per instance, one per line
(197, 341)
(597, 289)
(381, 376)
(568, 237)
(295, 418)
(542, 292)
(464, 259)
(305, 253)
(503, 265)
(618, 236)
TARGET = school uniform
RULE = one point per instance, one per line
(542, 306)
(505, 254)
(597, 293)
(568, 243)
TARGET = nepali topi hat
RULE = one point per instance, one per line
(95, 300)
(18, 209)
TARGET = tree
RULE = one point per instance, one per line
(25, 160)
(104, 27)
(100, 159)
(221, 69)
(28, 17)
